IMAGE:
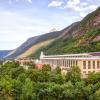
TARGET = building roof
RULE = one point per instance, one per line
(93, 55)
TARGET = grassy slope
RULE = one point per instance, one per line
(34, 48)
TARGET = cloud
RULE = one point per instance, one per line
(72, 3)
(11, 1)
(93, 7)
(80, 7)
(84, 3)
(82, 14)
(18, 26)
(30, 1)
(55, 3)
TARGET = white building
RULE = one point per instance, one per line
(87, 62)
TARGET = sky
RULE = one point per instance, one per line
(22, 19)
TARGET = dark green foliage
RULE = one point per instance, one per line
(46, 67)
(34, 84)
(93, 78)
(57, 70)
(15, 72)
(74, 75)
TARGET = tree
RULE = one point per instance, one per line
(15, 72)
(6, 88)
(6, 68)
(17, 89)
(57, 78)
(22, 77)
(68, 91)
(74, 75)
(57, 70)
(93, 78)
(38, 75)
(46, 67)
(27, 90)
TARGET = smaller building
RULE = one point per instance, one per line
(24, 62)
(7, 61)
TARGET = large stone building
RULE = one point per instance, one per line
(87, 62)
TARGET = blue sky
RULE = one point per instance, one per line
(21, 19)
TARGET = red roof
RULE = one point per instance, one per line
(95, 54)
(39, 66)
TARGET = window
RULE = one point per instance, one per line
(71, 63)
(57, 62)
(89, 64)
(63, 63)
(67, 63)
(84, 72)
(98, 64)
(89, 72)
(76, 63)
(93, 64)
(84, 64)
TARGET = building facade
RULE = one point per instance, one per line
(24, 62)
(87, 62)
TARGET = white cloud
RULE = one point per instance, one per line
(84, 4)
(81, 8)
(30, 1)
(72, 3)
(11, 1)
(55, 4)
(19, 27)
(82, 14)
(93, 7)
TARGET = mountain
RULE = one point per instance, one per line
(3, 53)
(79, 37)
(33, 44)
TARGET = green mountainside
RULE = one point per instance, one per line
(79, 37)
(79, 44)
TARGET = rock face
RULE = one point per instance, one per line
(83, 36)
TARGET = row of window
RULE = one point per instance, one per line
(65, 63)
(69, 63)
(87, 72)
(90, 64)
